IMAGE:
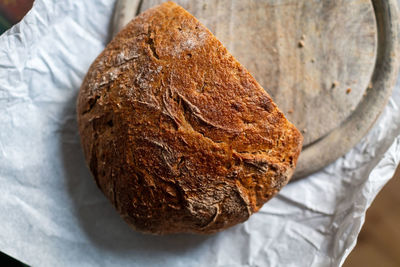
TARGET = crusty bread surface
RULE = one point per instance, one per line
(177, 134)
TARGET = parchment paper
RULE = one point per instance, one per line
(52, 214)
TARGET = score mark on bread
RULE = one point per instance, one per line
(178, 135)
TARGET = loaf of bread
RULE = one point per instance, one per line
(177, 134)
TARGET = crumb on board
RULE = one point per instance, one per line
(290, 111)
(312, 60)
(304, 130)
(335, 84)
(303, 37)
(370, 85)
(348, 91)
(301, 43)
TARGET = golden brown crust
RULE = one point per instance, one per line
(178, 135)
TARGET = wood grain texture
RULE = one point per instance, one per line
(125, 10)
(351, 131)
(297, 50)
(329, 65)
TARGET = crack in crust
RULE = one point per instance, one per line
(150, 42)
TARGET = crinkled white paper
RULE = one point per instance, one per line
(52, 214)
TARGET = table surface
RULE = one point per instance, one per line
(379, 241)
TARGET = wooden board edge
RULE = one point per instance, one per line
(342, 139)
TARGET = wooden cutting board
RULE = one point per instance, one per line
(329, 65)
